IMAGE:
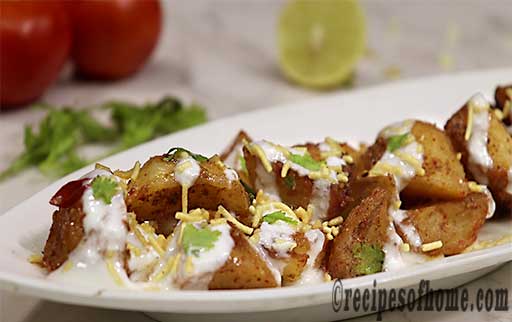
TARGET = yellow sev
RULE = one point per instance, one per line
(431, 246)
(382, 169)
(170, 266)
(229, 217)
(411, 161)
(258, 151)
(111, 267)
(285, 168)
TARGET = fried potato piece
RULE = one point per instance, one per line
(362, 187)
(444, 175)
(296, 190)
(244, 268)
(65, 234)
(233, 154)
(455, 223)
(503, 98)
(156, 195)
(367, 223)
(297, 261)
(499, 146)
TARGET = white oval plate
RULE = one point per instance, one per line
(354, 117)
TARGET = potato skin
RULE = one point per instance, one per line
(444, 175)
(456, 223)
(66, 232)
(156, 195)
(499, 146)
(244, 268)
(367, 223)
(362, 187)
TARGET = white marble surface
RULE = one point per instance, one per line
(222, 54)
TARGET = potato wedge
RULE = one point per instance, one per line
(65, 234)
(444, 175)
(233, 155)
(296, 189)
(366, 224)
(244, 268)
(362, 187)
(156, 195)
(455, 223)
(499, 147)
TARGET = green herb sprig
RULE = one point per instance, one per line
(171, 154)
(53, 148)
(305, 161)
(279, 215)
(104, 188)
(397, 141)
(196, 240)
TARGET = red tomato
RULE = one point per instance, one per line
(35, 41)
(113, 38)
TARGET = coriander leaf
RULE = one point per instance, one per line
(370, 258)
(279, 215)
(138, 124)
(196, 240)
(52, 147)
(104, 188)
(171, 154)
(249, 191)
(94, 131)
(305, 161)
(395, 142)
(289, 181)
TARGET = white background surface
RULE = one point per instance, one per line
(222, 54)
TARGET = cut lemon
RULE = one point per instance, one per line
(320, 41)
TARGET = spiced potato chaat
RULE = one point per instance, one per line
(262, 215)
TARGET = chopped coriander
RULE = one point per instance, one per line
(395, 142)
(370, 258)
(54, 147)
(171, 154)
(305, 161)
(279, 215)
(249, 191)
(243, 164)
(104, 188)
(289, 181)
(196, 240)
(140, 123)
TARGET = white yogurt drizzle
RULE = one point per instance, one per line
(231, 174)
(402, 170)
(187, 171)
(104, 240)
(175, 269)
(311, 273)
(278, 237)
(480, 160)
(206, 262)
